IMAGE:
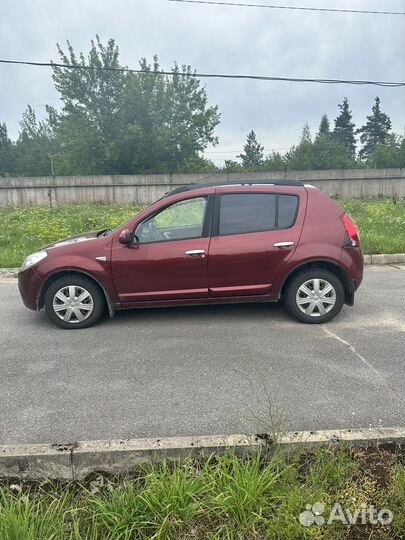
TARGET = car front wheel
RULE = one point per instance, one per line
(74, 302)
(314, 296)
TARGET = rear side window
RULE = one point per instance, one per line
(254, 212)
(287, 211)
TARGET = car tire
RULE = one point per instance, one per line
(314, 296)
(73, 302)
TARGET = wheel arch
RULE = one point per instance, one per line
(327, 265)
(61, 273)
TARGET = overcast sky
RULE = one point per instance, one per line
(220, 39)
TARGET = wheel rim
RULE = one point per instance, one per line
(73, 304)
(316, 297)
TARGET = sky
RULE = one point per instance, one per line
(220, 39)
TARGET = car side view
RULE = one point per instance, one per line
(201, 244)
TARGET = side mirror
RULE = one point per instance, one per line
(125, 237)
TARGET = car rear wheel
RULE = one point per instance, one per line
(74, 302)
(314, 296)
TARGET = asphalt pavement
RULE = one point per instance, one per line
(203, 370)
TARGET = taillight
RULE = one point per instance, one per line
(351, 230)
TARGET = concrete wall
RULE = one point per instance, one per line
(144, 189)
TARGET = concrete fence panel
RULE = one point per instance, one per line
(144, 189)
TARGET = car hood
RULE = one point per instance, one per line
(83, 237)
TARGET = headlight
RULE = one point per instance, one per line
(34, 259)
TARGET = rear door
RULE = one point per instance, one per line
(254, 234)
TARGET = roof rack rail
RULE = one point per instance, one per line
(196, 185)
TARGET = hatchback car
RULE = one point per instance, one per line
(203, 244)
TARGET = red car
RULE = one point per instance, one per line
(204, 244)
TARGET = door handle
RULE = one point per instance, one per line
(283, 244)
(195, 253)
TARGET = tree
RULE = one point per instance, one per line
(375, 131)
(344, 128)
(253, 152)
(165, 120)
(197, 164)
(391, 154)
(300, 157)
(115, 122)
(7, 152)
(232, 166)
(324, 126)
(34, 145)
(274, 162)
(91, 100)
(329, 153)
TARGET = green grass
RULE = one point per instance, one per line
(381, 223)
(220, 498)
(24, 230)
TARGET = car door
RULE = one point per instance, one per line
(167, 260)
(254, 234)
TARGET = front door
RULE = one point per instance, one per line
(254, 234)
(168, 258)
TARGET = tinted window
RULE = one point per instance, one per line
(247, 212)
(287, 211)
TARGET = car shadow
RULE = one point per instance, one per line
(216, 312)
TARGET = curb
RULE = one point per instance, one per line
(388, 258)
(76, 461)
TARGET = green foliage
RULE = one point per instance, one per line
(344, 128)
(7, 152)
(222, 497)
(381, 223)
(25, 230)
(115, 122)
(253, 152)
(22, 518)
(324, 126)
(375, 131)
(232, 166)
(165, 121)
(389, 154)
(301, 157)
(123, 123)
(35, 144)
(274, 162)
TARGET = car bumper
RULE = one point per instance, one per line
(29, 285)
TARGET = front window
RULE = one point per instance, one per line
(181, 220)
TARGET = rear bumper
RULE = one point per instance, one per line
(29, 285)
(353, 264)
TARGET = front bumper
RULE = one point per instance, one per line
(29, 285)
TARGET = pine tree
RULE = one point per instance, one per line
(375, 131)
(253, 152)
(324, 126)
(7, 152)
(344, 128)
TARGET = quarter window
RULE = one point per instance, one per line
(287, 211)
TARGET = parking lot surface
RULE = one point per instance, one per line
(203, 370)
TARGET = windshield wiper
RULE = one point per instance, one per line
(104, 232)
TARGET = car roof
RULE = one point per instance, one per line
(240, 183)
